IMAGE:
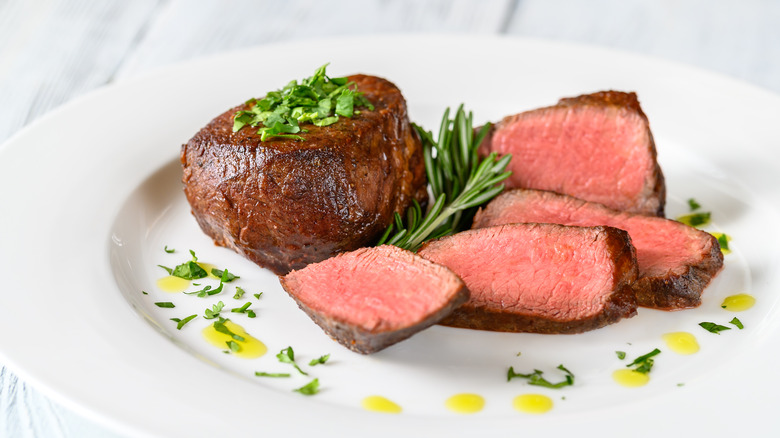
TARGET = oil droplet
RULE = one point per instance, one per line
(738, 303)
(465, 403)
(173, 284)
(208, 267)
(630, 378)
(681, 342)
(249, 348)
(532, 403)
(377, 403)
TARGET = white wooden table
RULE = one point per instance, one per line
(52, 51)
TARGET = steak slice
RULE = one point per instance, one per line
(540, 278)
(597, 147)
(371, 298)
(286, 203)
(676, 261)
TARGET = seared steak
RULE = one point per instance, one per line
(540, 278)
(676, 261)
(285, 203)
(597, 147)
(371, 298)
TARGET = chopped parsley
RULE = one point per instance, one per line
(189, 270)
(287, 355)
(318, 100)
(264, 374)
(723, 241)
(245, 309)
(645, 362)
(713, 328)
(310, 388)
(222, 328)
(165, 304)
(320, 360)
(737, 323)
(536, 378)
(239, 293)
(695, 219)
(226, 276)
(233, 346)
(621, 354)
(169, 251)
(214, 311)
(258, 295)
(693, 205)
(181, 322)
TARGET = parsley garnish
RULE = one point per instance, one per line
(169, 251)
(320, 360)
(287, 355)
(166, 305)
(695, 219)
(214, 311)
(264, 374)
(181, 322)
(233, 346)
(190, 270)
(723, 241)
(536, 378)
(737, 323)
(226, 276)
(222, 328)
(239, 293)
(258, 295)
(621, 354)
(713, 328)
(310, 388)
(460, 182)
(245, 309)
(693, 204)
(645, 362)
(318, 100)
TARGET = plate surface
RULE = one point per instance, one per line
(91, 196)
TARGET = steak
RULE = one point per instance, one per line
(286, 203)
(676, 261)
(540, 278)
(596, 147)
(371, 298)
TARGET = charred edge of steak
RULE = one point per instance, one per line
(621, 303)
(366, 342)
(680, 291)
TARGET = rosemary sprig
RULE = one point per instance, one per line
(454, 172)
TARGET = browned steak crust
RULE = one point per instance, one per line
(285, 203)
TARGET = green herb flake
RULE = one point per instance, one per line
(181, 322)
(310, 388)
(239, 293)
(536, 378)
(287, 355)
(165, 304)
(693, 205)
(280, 113)
(621, 354)
(645, 362)
(214, 311)
(144, 292)
(220, 326)
(713, 328)
(169, 251)
(264, 374)
(320, 360)
(233, 346)
(737, 323)
(723, 241)
(258, 295)
(695, 219)
(225, 276)
(245, 309)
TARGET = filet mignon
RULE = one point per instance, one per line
(676, 261)
(597, 147)
(540, 278)
(374, 297)
(286, 203)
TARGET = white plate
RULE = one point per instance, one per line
(91, 196)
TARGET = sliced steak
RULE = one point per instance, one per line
(285, 203)
(371, 298)
(676, 261)
(597, 147)
(540, 278)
